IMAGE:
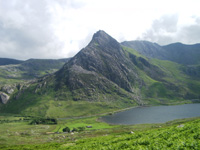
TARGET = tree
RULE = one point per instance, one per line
(74, 130)
(66, 129)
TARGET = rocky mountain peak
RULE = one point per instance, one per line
(103, 57)
(101, 34)
(102, 39)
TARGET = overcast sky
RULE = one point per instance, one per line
(61, 28)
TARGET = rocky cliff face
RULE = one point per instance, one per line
(103, 58)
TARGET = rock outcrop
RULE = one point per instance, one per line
(4, 98)
(9, 89)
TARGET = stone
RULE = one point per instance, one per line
(180, 126)
(4, 98)
(9, 89)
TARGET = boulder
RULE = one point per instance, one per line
(4, 98)
(9, 89)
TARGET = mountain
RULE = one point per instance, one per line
(176, 52)
(104, 76)
(39, 67)
(28, 69)
(183, 54)
(8, 61)
(148, 49)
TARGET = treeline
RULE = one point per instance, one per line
(44, 121)
(32, 120)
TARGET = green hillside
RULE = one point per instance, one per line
(17, 134)
(27, 70)
(176, 52)
(9, 61)
(177, 84)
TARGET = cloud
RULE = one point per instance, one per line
(25, 30)
(190, 34)
(60, 28)
(162, 29)
(167, 30)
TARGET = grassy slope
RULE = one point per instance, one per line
(174, 86)
(176, 76)
(186, 137)
(180, 134)
(30, 69)
(8, 75)
(47, 102)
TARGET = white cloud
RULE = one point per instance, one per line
(60, 28)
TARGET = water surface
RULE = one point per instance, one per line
(154, 114)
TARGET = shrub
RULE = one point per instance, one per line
(81, 129)
(44, 121)
(74, 130)
(66, 129)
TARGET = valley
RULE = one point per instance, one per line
(104, 77)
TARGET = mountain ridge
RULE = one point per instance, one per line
(102, 77)
(176, 52)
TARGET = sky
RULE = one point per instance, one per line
(52, 29)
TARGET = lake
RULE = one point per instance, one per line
(154, 114)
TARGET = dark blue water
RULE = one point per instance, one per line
(154, 114)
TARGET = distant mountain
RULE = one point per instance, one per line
(183, 54)
(8, 61)
(176, 52)
(29, 69)
(36, 67)
(148, 49)
(102, 77)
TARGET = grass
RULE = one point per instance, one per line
(18, 131)
(178, 134)
(172, 70)
(83, 122)
(132, 51)
(49, 103)
(186, 136)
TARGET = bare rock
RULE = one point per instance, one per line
(4, 98)
(9, 89)
(180, 126)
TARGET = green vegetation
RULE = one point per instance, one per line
(178, 134)
(25, 70)
(44, 121)
(66, 129)
(171, 86)
(132, 51)
(184, 136)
